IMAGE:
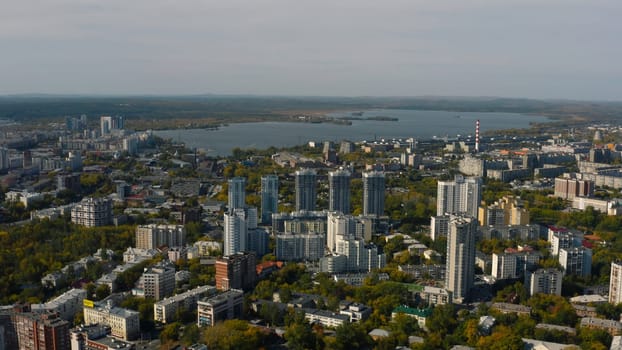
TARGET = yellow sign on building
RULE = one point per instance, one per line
(88, 303)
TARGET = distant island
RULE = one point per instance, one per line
(377, 118)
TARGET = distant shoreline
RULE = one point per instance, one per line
(313, 117)
(405, 124)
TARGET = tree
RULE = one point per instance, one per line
(402, 326)
(90, 290)
(470, 331)
(233, 335)
(351, 336)
(300, 336)
(271, 314)
(442, 320)
(170, 332)
(594, 339)
(102, 291)
(191, 335)
(503, 338)
(553, 309)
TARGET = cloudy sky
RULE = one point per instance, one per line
(514, 48)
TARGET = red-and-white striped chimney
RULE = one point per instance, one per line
(477, 136)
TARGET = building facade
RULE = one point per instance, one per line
(92, 212)
(37, 331)
(576, 261)
(513, 264)
(339, 191)
(299, 247)
(237, 271)
(153, 236)
(67, 305)
(373, 193)
(615, 283)
(460, 257)
(164, 311)
(236, 232)
(569, 188)
(269, 197)
(306, 192)
(225, 306)
(237, 193)
(123, 323)
(156, 282)
(545, 281)
(462, 196)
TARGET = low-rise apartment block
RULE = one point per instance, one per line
(164, 310)
(123, 323)
(610, 326)
(225, 306)
(67, 305)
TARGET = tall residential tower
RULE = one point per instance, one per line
(460, 196)
(306, 193)
(269, 197)
(237, 193)
(339, 191)
(615, 283)
(373, 193)
(460, 264)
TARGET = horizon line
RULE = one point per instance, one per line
(35, 95)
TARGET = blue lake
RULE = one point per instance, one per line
(411, 123)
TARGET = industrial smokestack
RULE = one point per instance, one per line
(477, 136)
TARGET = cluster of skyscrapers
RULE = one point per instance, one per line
(339, 191)
(456, 217)
(240, 221)
(306, 234)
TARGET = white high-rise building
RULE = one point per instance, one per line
(237, 193)
(339, 191)
(153, 236)
(301, 247)
(513, 264)
(462, 196)
(360, 256)
(269, 197)
(306, 192)
(545, 281)
(92, 212)
(439, 227)
(615, 283)
(156, 282)
(373, 193)
(108, 123)
(340, 227)
(576, 261)
(460, 256)
(236, 232)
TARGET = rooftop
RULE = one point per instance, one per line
(586, 299)
(412, 311)
(181, 297)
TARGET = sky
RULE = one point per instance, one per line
(568, 49)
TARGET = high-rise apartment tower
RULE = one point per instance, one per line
(306, 193)
(460, 264)
(269, 197)
(339, 191)
(373, 193)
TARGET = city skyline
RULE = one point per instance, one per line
(545, 50)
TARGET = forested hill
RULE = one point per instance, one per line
(28, 107)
